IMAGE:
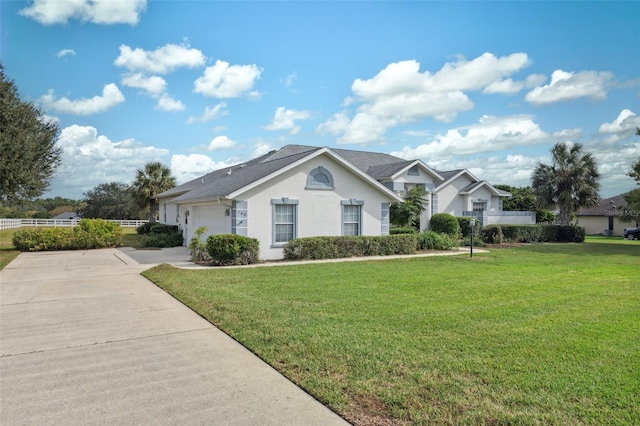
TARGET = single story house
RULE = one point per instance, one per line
(605, 217)
(303, 191)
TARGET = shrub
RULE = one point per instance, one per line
(430, 240)
(145, 228)
(161, 235)
(233, 249)
(572, 234)
(97, 233)
(197, 247)
(444, 223)
(498, 234)
(465, 227)
(312, 248)
(89, 234)
(492, 234)
(403, 230)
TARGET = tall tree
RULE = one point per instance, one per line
(569, 183)
(523, 199)
(151, 181)
(28, 152)
(112, 200)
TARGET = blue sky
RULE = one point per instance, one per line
(200, 85)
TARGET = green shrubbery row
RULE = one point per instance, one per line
(88, 234)
(498, 234)
(338, 247)
(160, 235)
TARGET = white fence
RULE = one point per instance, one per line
(503, 217)
(20, 223)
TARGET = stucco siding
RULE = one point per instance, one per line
(319, 212)
(598, 225)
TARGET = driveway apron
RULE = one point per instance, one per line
(85, 339)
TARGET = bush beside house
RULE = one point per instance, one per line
(160, 235)
(312, 248)
(233, 249)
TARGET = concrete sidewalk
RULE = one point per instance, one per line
(85, 339)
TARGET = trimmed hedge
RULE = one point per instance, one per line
(88, 234)
(233, 249)
(161, 235)
(313, 248)
(498, 234)
(444, 223)
(403, 230)
(465, 226)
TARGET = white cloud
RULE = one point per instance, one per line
(228, 81)
(210, 113)
(489, 135)
(261, 148)
(285, 119)
(626, 123)
(401, 94)
(49, 12)
(189, 167)
(90, 159)
(569, 86)
(167, 103)
(65, 52)
(509, 86)
(111, 96)
(163, 60)
(220, 142)
(156, 87)
(152, 85)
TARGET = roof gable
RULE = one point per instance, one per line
(233, 181)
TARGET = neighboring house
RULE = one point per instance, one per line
(303, 191)
(67, 216)
(604, 218)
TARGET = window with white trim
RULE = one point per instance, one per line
(285, 220)
(352, 217)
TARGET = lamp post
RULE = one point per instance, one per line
(472, 222)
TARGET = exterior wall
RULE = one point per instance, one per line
(448, 199)
(319, 212)
(599, 224)
(191, 216)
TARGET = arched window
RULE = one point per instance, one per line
(319, 178)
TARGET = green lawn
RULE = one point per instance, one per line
(539, 334)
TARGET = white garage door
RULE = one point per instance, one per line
(213, 217)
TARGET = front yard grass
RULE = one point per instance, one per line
(538, 334)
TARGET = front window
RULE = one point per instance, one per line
(352, 218)
(285, 220)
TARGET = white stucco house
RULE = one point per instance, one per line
(304, 191)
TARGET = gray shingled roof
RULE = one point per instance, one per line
(385, 171)
(221, 183)
(606, 205)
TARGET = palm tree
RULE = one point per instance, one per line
(151, 181)
(568, 184)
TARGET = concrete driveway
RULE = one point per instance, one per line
(85, 339)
